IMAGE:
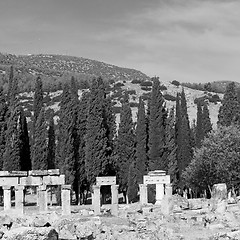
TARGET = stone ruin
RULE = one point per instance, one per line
(35, 178)
(105, 181)
(163, 186)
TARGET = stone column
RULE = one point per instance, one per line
(143, 193)
(168, 190)
(114, 207)
(19, 198)
(66, 199)
(7, 197)
(159, 193)
(42, 198)
(96, 200)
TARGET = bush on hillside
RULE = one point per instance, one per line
(176, 83)
(133, 104)
(136, 81)
(146, 84)
(131, 92)
(146, 88)
(163, 87)
(169, 97)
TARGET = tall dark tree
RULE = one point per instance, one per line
(229, 111)
(132, 183)
(199, 134)
(206, 123)
(81, 179)
(141, 142)
(10, 84)
(184, 143)
(3, 125)
(171, 147)
(51, 144)
(37, 100)
(11, 160)
(157, 124)
(25, 154)
(65, 157)
(39, 154)
(125, 145)
(96, 140)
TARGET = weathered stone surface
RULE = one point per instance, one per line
(54, 180)
(53, 172)
(30, 233)
(13, 174)
(167, 205)
(180, 202)
(8, 181)
(31, 181)
(219, 191)
(38, 173)
(155, 179)
(195, 203)
(111, 180)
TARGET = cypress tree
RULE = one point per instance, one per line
(125, 145)
(65, 158)
(39, 154)
(10, 84)
(37, 100)
(51, 144)
(207, 125)
(184, 143)
(199, 135)
(157, 124)
(132, 183)
(96, 140)
(11, 161)
(81, 178)
(25, 156)
(229, 111)
(110, 126)
(3, 125)
(171, 147)
(141, 142)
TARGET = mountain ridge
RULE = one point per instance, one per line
(57, 65)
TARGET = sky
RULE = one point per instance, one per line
(186, 40)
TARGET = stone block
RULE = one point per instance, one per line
(157, 172)
(8, 181)
(152, 179)
(38, 173)
(53, 172)
(54, 180)
(31, 181)
(111, 180)
(219, 191)
(13, 174)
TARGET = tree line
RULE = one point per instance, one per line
(86, 142)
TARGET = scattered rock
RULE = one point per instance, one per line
(31, 233)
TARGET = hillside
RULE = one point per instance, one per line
(58, 65)
(52, 99)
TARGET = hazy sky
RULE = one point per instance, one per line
(187, 40)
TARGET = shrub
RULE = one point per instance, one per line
(133, 104)
(146, 96)
(200, 100)
(169, 97)
(118, 85)
(176, 83)
(163, 87)
(214, 98)
(136, 81)
(146, 88)
(146, 84)
(131, 92)
(116, 109)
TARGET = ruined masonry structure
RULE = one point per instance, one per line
(38, 178)
(105, 181)
(162, 182)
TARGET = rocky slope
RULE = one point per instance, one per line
(57, 65)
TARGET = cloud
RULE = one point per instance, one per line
(194, 40)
